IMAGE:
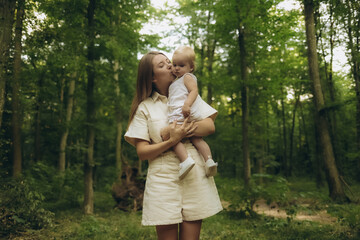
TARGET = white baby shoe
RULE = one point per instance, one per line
(210, 168)
(185, 167)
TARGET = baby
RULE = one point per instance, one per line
(183, 102)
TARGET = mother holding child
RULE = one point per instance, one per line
(177, 196)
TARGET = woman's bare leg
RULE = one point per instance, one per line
(190, 230)
(167, 232)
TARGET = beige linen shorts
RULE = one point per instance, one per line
(168, 200)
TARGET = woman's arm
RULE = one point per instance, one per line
(204, 128)
(145, 150)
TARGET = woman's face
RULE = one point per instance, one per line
(162, 72)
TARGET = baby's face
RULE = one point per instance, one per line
(180, 65)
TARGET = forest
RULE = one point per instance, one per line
(287, 132)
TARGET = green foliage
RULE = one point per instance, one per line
(71, 189)
(347, 214)
(114, 224)
(55, 52)
(274, 189)
(108, 223)
(58, 190)
(21, 207)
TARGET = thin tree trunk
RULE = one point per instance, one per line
(244, 107)
(118, 122)
(90, 113)
(353, 23)
(211, 53)
(335, 188)
(279, 145)
(38, 111)
(16, 113)
(201, 69)
(297, 100)
(307, 144)
(64, 136)
(7, 9)
(284, 132)
(318, 164)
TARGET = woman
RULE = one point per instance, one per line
(176, 207)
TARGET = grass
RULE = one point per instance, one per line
(108, 223)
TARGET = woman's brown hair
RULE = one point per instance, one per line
(144, 84)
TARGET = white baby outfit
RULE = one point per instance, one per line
(178, 93)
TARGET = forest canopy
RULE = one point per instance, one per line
(68, 74)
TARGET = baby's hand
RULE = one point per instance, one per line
(186, 111)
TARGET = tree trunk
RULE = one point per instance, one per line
(118, 122)
(64, 136)
(210, 57)
(38, 111)
(318, 164)
(290, 162)
(330, 85)
(200, 69)
(244, 107)
(267, 132)
(15, 103)
(353, 23)
(284, 132)
(7, 9)
(90, 113)
(335, 188)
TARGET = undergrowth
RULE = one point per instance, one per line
(237, 221)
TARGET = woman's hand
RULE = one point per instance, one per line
(145, 150)
(177, 133)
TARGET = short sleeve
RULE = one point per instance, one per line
(138, 128)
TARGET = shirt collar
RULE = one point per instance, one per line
(157, 96)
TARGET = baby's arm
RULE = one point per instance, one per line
(192, 88)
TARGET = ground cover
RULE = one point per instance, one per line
(323, 219)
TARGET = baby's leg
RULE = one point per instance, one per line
(186, 162)
(180, 151)
(165, 133)
(202, 147)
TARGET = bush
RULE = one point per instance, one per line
(273, 189)
(59, 190)
(20, 207)
(347, 214)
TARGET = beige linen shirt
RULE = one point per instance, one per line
(152, 115)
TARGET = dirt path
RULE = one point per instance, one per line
(273, 209)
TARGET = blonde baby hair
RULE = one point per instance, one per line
(189, 53)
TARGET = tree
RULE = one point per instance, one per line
(16, 113)
(7, 9)
(244, 100)
(64, 136)
(335, 188)
(353, 31)
(90, 111)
